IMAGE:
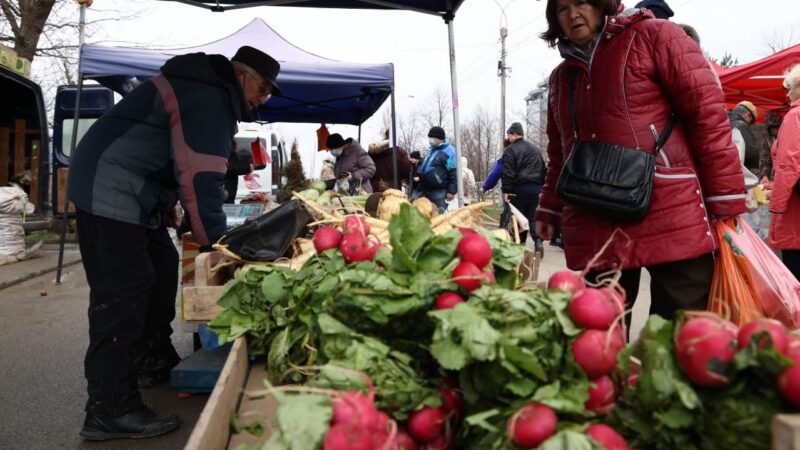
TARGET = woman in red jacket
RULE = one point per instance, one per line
(631, 73)
(784, 203)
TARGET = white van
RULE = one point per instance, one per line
(268, 180)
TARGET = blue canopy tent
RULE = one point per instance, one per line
(315, 89)
(446, 9)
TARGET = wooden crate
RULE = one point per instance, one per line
(213, 430)
(211, 272)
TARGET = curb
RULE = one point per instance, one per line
(36, 273)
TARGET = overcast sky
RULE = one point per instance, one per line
(417, 43)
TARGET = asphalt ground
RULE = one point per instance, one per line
(44, 333)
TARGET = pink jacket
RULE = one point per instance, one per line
(784, 231)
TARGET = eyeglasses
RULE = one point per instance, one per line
(264, 89)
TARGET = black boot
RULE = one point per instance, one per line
(137, 424)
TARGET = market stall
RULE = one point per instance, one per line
(760, 82)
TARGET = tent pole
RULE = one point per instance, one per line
(394, 146)
(359, 133)
(456, 127)
(65, 217)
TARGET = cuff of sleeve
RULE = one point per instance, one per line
(726, 208)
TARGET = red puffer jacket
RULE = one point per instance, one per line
(784, 230)
(641, 71)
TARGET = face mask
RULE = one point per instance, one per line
(432, 142)
(336, 153)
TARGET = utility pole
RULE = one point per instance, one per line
(502, 71)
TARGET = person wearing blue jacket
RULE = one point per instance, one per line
(437, 171)
(494, 175)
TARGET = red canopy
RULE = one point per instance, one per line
(760, 82)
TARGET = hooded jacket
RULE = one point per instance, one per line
(437, 170)
(640, 72)
(354, 159)
(381, 154)
(169, 139)
(784, 203)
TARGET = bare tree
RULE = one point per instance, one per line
(409, 129)
(781, 39)
(479, 142)
(46, 32)
(438, 110)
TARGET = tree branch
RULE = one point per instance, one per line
(8, 11)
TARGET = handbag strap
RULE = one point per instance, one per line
(661, 139)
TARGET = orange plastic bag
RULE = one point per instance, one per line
(733, 291)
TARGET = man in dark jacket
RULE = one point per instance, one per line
(381, 154)
(437, 171)
(167, 140)
(742, 117)
(523, 177)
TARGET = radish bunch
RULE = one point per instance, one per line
(707, 344)
(596, 349)
(475, 254)
(357, 424)
(354, 243)
(434, 428)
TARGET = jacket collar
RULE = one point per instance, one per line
(612, 26)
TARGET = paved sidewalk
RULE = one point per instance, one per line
(44, 261)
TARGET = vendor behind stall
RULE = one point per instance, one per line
(168, 139)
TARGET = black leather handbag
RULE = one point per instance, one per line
(608, 180)
(268, 237)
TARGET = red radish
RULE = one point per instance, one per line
(475, 248)
(606, 436)
(355, 224)
(426, 424)
(617, 296)
(356, 409)
(441, 443)
(467, 231)
(633, 380)
(566, 280)
(344, 436)
(596, 351)
(531, 425)
(489, 276)
(789, 379)
(593, 309)
(452, 403)
(602, 394)
(326, 238)
(404, 441)
(468, 276)
(356, 248)
(447, 300)
(775, 333)
(703, 340)
(382, 436)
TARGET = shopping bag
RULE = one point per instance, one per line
(733, 292)
(777, 288)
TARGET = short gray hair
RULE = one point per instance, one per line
(791, 78)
